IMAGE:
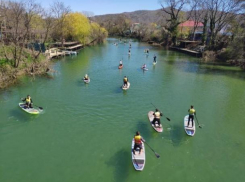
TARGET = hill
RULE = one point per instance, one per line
(141, 16)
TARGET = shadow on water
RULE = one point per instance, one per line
(79, 83)
(21, 116)
(121, 165)
(118, 90)
(177, 135)
(144, 128)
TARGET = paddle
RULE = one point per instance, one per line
(162, 113)
(198, 122)
(39, 107)
(157, 155)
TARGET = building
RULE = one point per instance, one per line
(188, 27)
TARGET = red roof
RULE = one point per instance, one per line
(191, 24)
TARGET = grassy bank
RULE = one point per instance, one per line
(28, 65)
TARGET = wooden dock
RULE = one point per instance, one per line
(70, 46)
(54, 52)
(187, 51)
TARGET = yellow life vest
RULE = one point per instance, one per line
(125, 79)
(137, 139)
(157, 114)
(192, 111)
(28, 100)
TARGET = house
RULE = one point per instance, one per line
(188, 27)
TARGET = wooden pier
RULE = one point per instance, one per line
(54, 52)
(189, 47)
(70, 46)
(187, 51)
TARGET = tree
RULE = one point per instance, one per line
(173, 9)
(18, 17)
(98, 34)
(220, 13)
(77, 27)
(59, 12)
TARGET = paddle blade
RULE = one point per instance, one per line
(157, 155)
(200, 126)
(40, 108)
(168, 119)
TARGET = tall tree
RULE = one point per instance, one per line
(59, 12)
(19, 17)
(173, 9)
(221, 12)
(77, 27)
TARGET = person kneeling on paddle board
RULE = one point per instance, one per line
(125, 81)
(192, 112)
(28, 101)
(86, 77)
(138, 142)
(157, 116)
(120, 63)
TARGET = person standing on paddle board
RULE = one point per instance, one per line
(138, 142)
(129, 51)
(120, 63)
(125, 81)
(192, 112)
(157, 116)
(154, 59)
(86, 77)
(28, 101)
(144, 66)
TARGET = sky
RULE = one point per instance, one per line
(100, 7)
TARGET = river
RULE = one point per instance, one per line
(85, 131)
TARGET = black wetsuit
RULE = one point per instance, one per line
(29, 105)
(156, 120)
(155, 59)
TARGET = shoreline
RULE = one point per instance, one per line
(9, 75)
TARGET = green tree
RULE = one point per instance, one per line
(77, 27)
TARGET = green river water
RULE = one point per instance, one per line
(85, 131)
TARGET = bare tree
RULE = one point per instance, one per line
(221, 12)
(18, 16)
(59, 12)
(173, 9)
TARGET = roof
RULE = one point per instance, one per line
(191, 24)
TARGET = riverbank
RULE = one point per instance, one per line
(30, 66)
(195, 49)
(9, 75)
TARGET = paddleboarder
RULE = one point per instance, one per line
(28, 100)
(86, 77)
(125, 81)
(192, 112)
(138, 142)
(157, 116)
(120, 63)
(144, 66)
(154, 59)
